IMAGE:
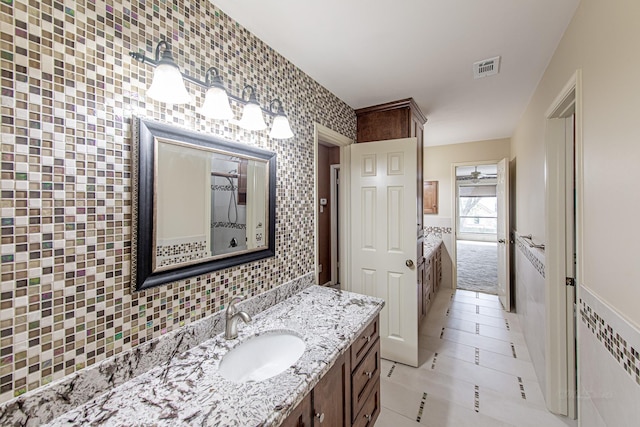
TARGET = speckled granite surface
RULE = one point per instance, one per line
(189, 391)
(431, 244)
(42, 405)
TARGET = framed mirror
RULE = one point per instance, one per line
(201, 204)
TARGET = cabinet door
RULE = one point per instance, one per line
(430, 193)
(301, 416)
(331, 407)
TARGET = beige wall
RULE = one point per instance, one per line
(438, 160)
(437, 167)
(602, 41)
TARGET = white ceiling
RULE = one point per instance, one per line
(369, 52)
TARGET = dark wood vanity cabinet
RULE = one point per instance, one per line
(330, 399)
(301, 415)
(431, 279)
(349, 394)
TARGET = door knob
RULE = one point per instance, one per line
(409, 263)
(501, 241)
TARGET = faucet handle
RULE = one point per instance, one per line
(236, 299)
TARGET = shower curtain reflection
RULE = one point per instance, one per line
(228, 205)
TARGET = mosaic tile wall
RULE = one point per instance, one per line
(69, 91)
(178, 253)
(535, 257)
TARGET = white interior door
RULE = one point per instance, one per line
(561, 274)
(383, 244)
(502, 192)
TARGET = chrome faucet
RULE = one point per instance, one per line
(232, 316)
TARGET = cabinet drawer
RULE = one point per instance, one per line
(364, 377)
(371, 409)
(362, 344)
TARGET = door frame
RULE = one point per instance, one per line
(454, 210)
(335, 219)
(329, 136)
(561, 367)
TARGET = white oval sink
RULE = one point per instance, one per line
(261, 356)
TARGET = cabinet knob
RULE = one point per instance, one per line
(367, 338)
(368, 417)
(368, 374)
(320, 417)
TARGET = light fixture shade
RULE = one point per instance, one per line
(168, 85)
(252, 118)
(280, 128)
(216, 104)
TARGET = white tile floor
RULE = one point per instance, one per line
(475, 371)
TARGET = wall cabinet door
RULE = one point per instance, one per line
(430, 196)
(331, 407)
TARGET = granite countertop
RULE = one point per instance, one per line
(431, 243)
(187, 390)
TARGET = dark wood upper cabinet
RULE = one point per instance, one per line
(393, 120)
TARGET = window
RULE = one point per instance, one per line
(478, 209)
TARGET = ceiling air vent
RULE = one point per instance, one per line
(486, 67)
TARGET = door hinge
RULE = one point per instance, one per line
(571, 281)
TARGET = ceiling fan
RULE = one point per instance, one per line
(475, 176)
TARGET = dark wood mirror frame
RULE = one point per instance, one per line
(142, 274)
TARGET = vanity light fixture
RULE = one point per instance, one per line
(251, 113)
(216, 100)
(280, 128)
(168, 87)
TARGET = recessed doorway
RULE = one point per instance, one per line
(476, 228)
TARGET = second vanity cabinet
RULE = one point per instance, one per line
(431, 279)
(349, 394)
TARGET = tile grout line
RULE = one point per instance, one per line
(476, 398)
(522, 393)
(391, 370)
(422, 402)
